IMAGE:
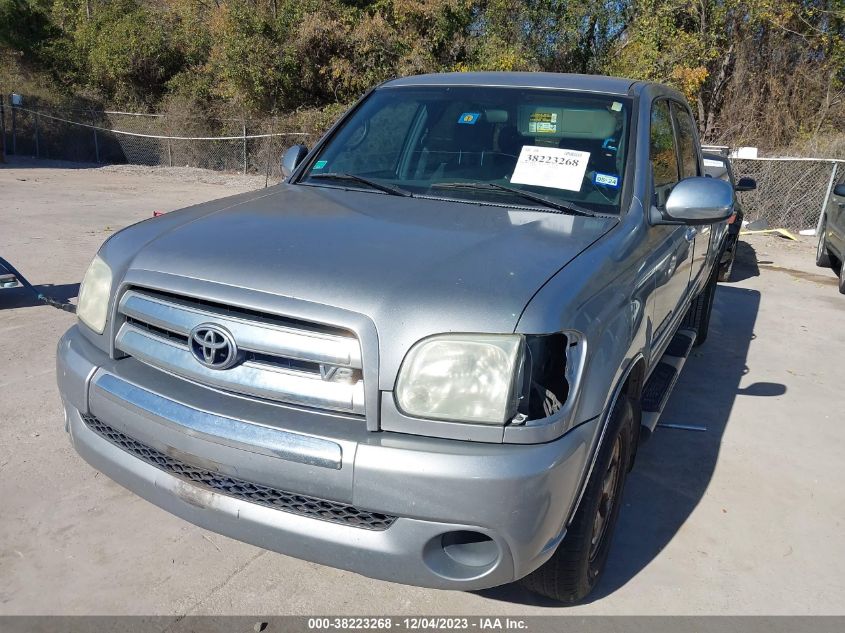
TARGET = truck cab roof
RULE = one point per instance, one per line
(558, 81)
(599, 84)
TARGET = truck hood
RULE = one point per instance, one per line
(414, 266)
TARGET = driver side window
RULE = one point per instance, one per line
(377, 151)
(686, 138)
(663, 152)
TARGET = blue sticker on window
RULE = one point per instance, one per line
(608, 180)
(319, 164)
(469, 118)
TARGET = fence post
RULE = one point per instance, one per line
(826, 197)
(3, 127)
(169, 153)
(37, 136)
(96, 141)
(244, 129)
(14, 131)
(269, 153)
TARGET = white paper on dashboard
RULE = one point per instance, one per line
(551, 167)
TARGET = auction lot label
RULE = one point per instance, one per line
(420, 623)
(550, 167)
(403, 623)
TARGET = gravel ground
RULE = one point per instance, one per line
(744, 518)
(188, 175)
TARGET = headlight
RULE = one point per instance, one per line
(94, 295)
(461, 377)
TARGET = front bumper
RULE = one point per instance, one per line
(514, 497)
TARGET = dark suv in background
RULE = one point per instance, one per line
(830, 252)
(719, 166)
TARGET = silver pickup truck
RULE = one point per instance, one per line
(429, 354)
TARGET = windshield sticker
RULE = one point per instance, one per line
(469, 118)
(551, 167)
(616, 107)
(608, 180)
(542, 123)
(319, 164)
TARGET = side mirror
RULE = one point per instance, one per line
(291, 159)
(699, 200)
(839, 190)
(746, 184)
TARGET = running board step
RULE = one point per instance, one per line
(659, 385)
(681, 344)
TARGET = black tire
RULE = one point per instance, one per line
(698, 315)
(726, 267)
(822, 254)
(842, 279)
(574, 569)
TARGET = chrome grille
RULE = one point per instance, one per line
(284, 360)
(241, 489)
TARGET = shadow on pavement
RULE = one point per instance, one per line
(674, 467)
(745, 263)
(20, 297)
(30, 162)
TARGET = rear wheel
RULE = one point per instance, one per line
(842, 279)
(698, 316)
(725, 268)
(574, 569)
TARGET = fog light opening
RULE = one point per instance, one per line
(462, 555)
(472, 549)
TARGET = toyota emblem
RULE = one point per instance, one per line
(213, 346)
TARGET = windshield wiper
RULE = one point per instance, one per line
(567, 207)
(394, 191)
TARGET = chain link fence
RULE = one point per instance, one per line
(154, 140)
(791, 192)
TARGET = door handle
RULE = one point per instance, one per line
(690, 233)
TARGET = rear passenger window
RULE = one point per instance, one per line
(664, 158)
(686, 141)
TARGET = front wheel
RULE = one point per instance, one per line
(822, 254)
(574, 569)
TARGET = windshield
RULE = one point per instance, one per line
(554, 149)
